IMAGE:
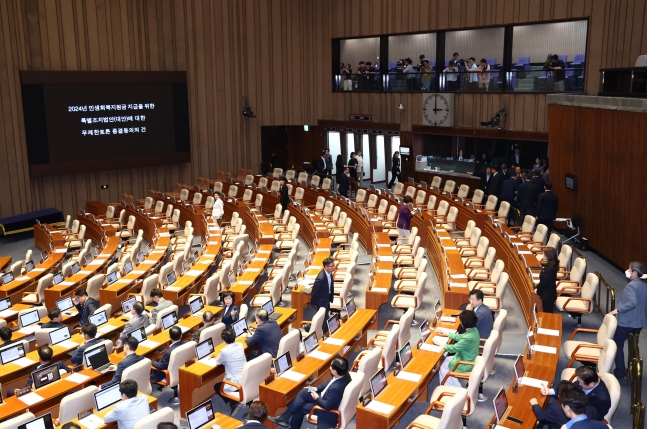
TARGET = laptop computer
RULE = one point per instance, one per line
(43, 256)
(424, 330)
(64, 305)
(201, 415)
(45, 376)
(282, 363)
(111, 278)
(500, 402)
(204, 348)
(98, 319)
(138, 334)
(75, 268)
(310, 342)
(128, 267)
(333, 324)
(169, 320)
(127, 305)
(170, 278)
(378, 383)
(5, 303)
(7, 278)
(351, 307)
(87, 258)
(29, 266)
(58, 277)
(89, 352)
(107, 396)
(29, 318)
(12, 353)
(59, 335)
(99, 360)
(438, 311)
(140, 258)
(269, 307)
(531, 338)
(196, 305)
(405, 355)
(239, 327)
(42, 422)
(519, 368)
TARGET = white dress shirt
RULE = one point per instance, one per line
(127, 413)
(232, 356)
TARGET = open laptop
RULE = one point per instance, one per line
(107, 396)
(45, 376)
(75, 268)
(99, 360)
(201, 415)
(378, 383)
(138, 334)
(282, 363)
(170, 278)
(12, 353)
(519, 368)
(64, 305)
(500, 402)
(89, 352)
(42, 422)
(531, 338)
(29, 318)
(438, 311)
(43, 256)
(58, 277)
(127, 305)
(269, 307)
(7, 278)
(111, 278)
(29, 266)
(405, 355)
(59, 335)
(310, 342)
(169, 320)
(333, 324)
(140, 258)
(98, 319)
(351, 307)
(204, 348)
(87, 258)
(196, 305)
(5, 303)
(425, 331)
(128, 267)
(239, 327)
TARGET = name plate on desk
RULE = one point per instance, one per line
(334, 341)
(385, 258)
(409, 376)
(456, 284)
(544, 349)
(551, 332)
(293, 375)
(245, 282)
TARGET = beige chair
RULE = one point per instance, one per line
(339, 300)
(168, 310)
(184, 194)
(197, 199)
(179, 356)
(94, 285)
(326, 184)
(244, 309)
(583, 350)
(210, 291)
(16, 268)
(564, 258)
(575, 277)
(290, 343)
(410, 192)
(140, 372)
(604, 361)
(360, 197)
(254, 374)
(287, 241)
(431, 203)
(278, 172)
(409, 284)
(408, 257)
(274, 295)
(405, 245)
(488, 356)
(233, 191)
(314, 182)
(404, 334)
(538, 239)
(469, 242)
(577, 306)
(614, 393)
(73, 403)
(480, 251)
(347, 406)
(42, 336)
(262, 182)
(525, 231)
(214, 332)
(463, 192)
(450, 417)
(490, 205)
(316, 324)
(340, 235)
(276, 186)
(553, 241)
(477, 198)
(435, 182)
(409, 269)
(372, 203)
(75, 241)
(495, 302)
(368, 364)
(460, 236)
(217, 187)
(303, 178)
(150, 283)
(42, 312)
(405, 301)
(151, 421)
(449, 224)
(388, 350)
(420, 198)
(450, 186)
(38, 297)
(490, 271)
(17, 421)
(128, 230)
(398, 188)
(105, 307)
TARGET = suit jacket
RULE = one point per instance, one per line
(252, 425)
(227, 318)
(547, 206)
(527, 194)
(508, 190)
(539, 182)
(485, 321)
(589, 424)
(164, 303)
(344, 184)
(553, 416)
(329, 162)
(61, 366)
(599, 398)
(321, 295)
(196, 335)
(267, 336)
(494, 186)
(166, 358)
(135, 322)
(632, 312)
(321, 166)
(131, 359)
(52, 325)
(285, 197)
(485, 182)
(77, 357)
(547, 289)
(86, 310)
(331, 401)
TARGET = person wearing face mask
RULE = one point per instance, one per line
(343, 183)
(631, 311)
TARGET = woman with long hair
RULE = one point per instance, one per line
(395, 169)
(547, 287)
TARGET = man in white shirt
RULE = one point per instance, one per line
(218, 207)
(131, 409)
(360, 167)
(232, 356)
(451, 78)
(473, 77)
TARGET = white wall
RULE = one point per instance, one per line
(355, 50)
(557, 38)
(412, 46)
(482, 43)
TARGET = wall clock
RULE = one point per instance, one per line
(438, 110)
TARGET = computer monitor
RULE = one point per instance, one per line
(75, 268)
(351, 307)
(201, 415)
(239, 327)
(169, 320)
(87, 258)
(405, 355)
(500, 404)
(65, 303)
(45, 376)
(58, 277)
(7, 278)
(128, 267)
(127, 305)
(204, 348)
(43, 256)
(404, 150)
(138, 334)
(378, 382)
(519, 368)
(140, 258)
(12, 353)
(196, 305)
(282, 363)
(94, 351)
(111, 278)
(196, 256)
(59, 335)
(107, 396)
(310, 343)
(531, 338)
(42, 422)
(29, 266)
(5, 303)
(170, 278)
(424, 330)
(438, 311)
(269, 307)
(333, 324)
(29, 318)
(98, 319)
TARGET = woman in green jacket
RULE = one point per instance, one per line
(465, 346)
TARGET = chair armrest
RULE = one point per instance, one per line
(317, 407)
(389, 322)
(305, 322)
(577, 356)
(593, 331)
(437, 404)
(230, 395)
(569, 289)
(415, 299)
(167, 377)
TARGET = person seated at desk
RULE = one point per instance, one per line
(131, 409)
(72, 425)
(208, 320)
(45, 354)
(55, 319)
(328, 396)
(165, 425)
(267, 335)
(138, 320)
(160, 303)
(85, 305)
(176, 340)
(465, 347)
(232, 356)
(574, 403)
(553, 416)
(5, 335)
(89, 332)
(230, 310)
(257, 414)
(483, 313)
(130, 346)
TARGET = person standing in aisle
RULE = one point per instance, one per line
(395, 169)
(352, 165)
(360, 168)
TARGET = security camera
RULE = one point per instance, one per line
(401, 106)
(247, 112)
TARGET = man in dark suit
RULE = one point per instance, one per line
(509, 189)
(257, 414)
(321, 164)
(537, 179)
(175, 333)
(323, 289)
(285, 195)
(130, 346)
(553, 415)
(328, 396)
(5, 336)
(483, 313)
(328, 159)
(55, 319)
(267, 336)
(89, 332)
(547, 207)
(516, 157)
(208, 320)
(485, 180)
(344, 183)
(527, 196)
(85, 305)
(494, 186)
(138, 319)
(45, 354)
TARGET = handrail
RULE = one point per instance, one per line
(635, 379)
(611, 296)
(639, 416)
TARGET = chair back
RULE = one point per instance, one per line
(73, 403)
(443, 208)
(528, 224)
(405, 327)
(298, 194)
(504, 209)
(613, 385)
(477, 198)
(450, 185)
(276, 186)
(368, 365)
(436, 181)
(303, 178)
(105, 307)
(44, 282)
(350, 399)
(278, 172)
(564, 257)
(214, 332)
(420, 197)
(179, 355)
(372, 201)
(247, 195)
(262, 182)
(315, 180)
(166, 268)
(451, 416)
(607, 356)
(360, 197)
(140, 372)
(483, 247)
(151, 421)
(499, 326)
(20, 420)
(184, 194)
(212, 289)
(42, 336)
(463, 191)
(94, 285)
(249, 179)
(489, 352)
(317, 322)
(420, 255)
(42, 312)
(553, 241)
(244, 309)
(491, 202)
(390, 346)
(541, 234)
(149, 284)
(290, 343)
(383, 206)
(197, 198)
(476, 375)
(254, 374)
(397, 190)
(411, 192)
(607, 329)
(469, 228)
(168, 310)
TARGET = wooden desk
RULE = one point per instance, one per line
(547, 321)
(281, 391)
(4, 262)
(46, 237)
(377, 292)
(94, 229)
(186, 213)
(152, 401)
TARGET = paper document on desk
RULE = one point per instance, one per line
(77, 378)
(91, 422)
(84, 272)
(440, 341)
(384, 272)
(23, 278)
(124, 281)
(64, 250)
(28, 330)
(409, 376)
(500, 427)
(385, 258)
(334, 341)
(525, 252)
(293, 375)
(380, 407)
(31, 398)
(148, 262)
(551, 332)
(66, 283)
(165, 234)
(253, 270)
(96, 262)
(447, 319)
(24, 362)
(445, 238)
(379, 289)
(544, 349)
(194, 273)
(315, 267)
(533, 382)
(457, 284)
(184, 328)
(106, 328)
(173, 288)
(209, 361)
(7, 313)
(159, 251)
(68, 344)
(383, 245)
(150, 344)
(208, 255)
(245, 282)
(38, 270)
(431, 348)
(458, 276)
(319, 355)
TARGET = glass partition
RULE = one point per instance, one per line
(418, 50)
(395, 147)
(379, 172)
(353, 75)
(334, 144)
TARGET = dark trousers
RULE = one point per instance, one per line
(326, 316)
(298, 409)
(394, 176)
(548, 223)
(622, 335)
(526, 211)
(547, 305)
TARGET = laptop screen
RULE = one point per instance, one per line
(519, 369)
(5, 303)
(500, 404)
(204, 349)
(128, 267)
(42, 422)
(169, 320)
(93, 351)
(108, 396)
(140, 257)
(405, 355)
(43, 255)
(7, 278)
(200, 415)
(333, 324)
(112, 277)
(75, 268)
(64, 304)
(127, 305)
(311, 342)
(170, 278)
(531, 338)
(378, 383)
(424, 330)
(534, 315)
(29, 266)
(12, 353)
(88, 258)
(99, 358)
(29, 318)
(269, 307)
(138, 334)
(59, 335)
(98, 319)
(196, 305)
(45, 376)
(350, 307)
(239, 327)
(438, 311)
(58, 277)
(282, 363)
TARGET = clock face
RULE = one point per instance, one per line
(437, 110)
